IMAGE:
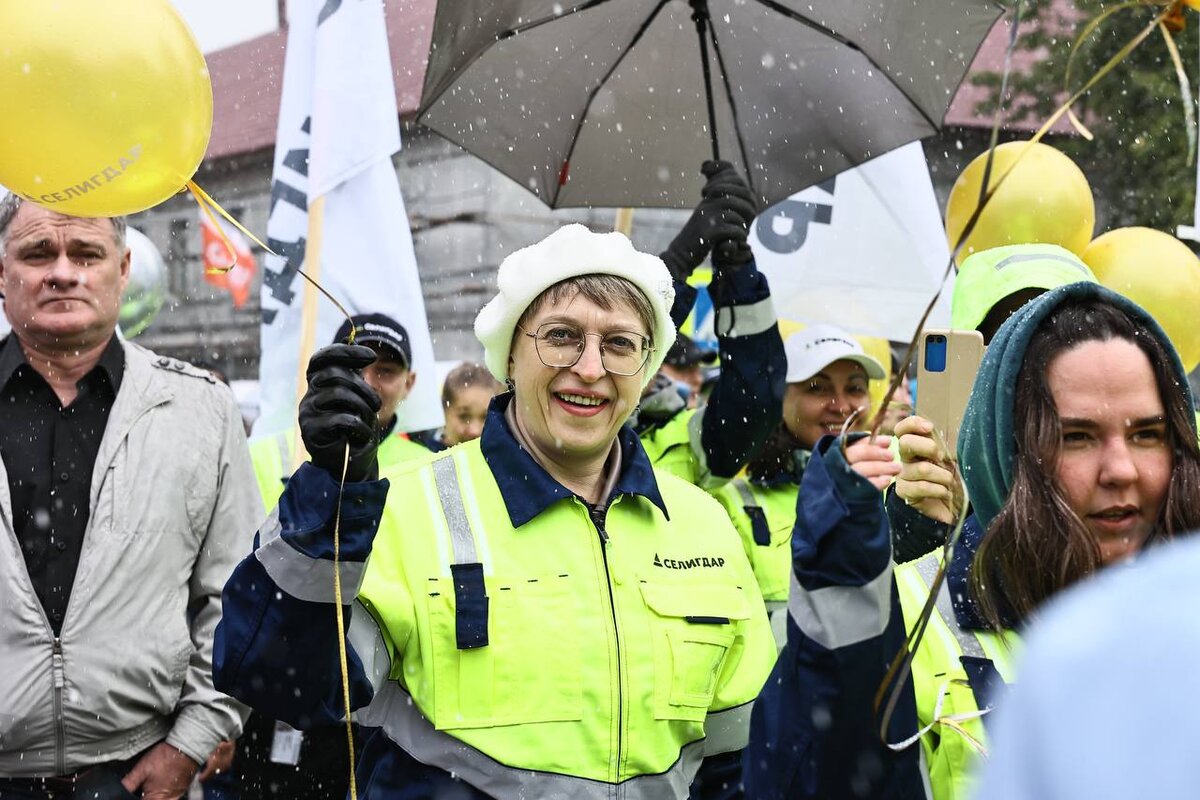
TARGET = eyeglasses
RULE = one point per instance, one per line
(561, 344)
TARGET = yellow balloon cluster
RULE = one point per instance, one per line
(1159, 273)
(1044, 199)
(107, 105)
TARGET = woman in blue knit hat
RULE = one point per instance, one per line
(1078, 450)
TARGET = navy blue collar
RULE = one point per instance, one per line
(528, 489)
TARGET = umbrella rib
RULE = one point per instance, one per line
(552, 18)
(637, 36)
(737, 128)
(837, 37)
(507, 33)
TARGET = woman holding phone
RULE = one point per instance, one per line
(828, 373)
(1078, 450)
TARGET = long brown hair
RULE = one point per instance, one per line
(1037, 546)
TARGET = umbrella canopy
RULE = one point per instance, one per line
(604, 103)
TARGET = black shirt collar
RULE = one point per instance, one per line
(111, 363)
(527, 487)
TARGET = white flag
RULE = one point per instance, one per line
(865, 250)
(338, 129)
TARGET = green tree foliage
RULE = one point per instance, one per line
(1138, 162)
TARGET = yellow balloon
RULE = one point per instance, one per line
(1160, 274)
(1045, 199)
(105, 105)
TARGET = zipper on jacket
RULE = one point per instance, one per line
(597, 515)
(60, 731)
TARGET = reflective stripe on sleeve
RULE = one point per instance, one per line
(727, 731)
(367, 640)
(393, 710)
(302, 577)
(837, 616)
(747, 320)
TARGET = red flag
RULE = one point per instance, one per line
(217, 258)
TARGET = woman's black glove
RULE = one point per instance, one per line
(722, 219)
(340, 407)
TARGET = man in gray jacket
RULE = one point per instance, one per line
(126, 498)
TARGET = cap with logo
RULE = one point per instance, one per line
(811, 350)
(379, 329)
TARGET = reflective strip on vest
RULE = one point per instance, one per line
(394, 711)
(470, 592)
(754, 512)
(467, 484)
(367, 640)
(461, 541)
(727, 731)
(746, 320)
(838, 616)
(283, 441)
(968, 644)
(695, 431)
(304, 578)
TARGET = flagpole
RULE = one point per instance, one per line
(624, 221)
(1193, 231)
(308, 318)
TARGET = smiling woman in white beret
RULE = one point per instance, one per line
(542, 615)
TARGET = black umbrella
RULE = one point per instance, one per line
(617, 102)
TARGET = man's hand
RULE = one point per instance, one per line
(926, 481)
(726, 210)
(163, 773)
(339, 408)
(220, 760)
(873, 460)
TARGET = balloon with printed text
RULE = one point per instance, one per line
(1044, 199)
(107, 105)
(1159, 273)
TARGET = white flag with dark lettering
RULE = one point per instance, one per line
(864, 250)
(338, 129)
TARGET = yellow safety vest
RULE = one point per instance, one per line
(675, 448)
(939, 677)
(526, 659)
(763, 518)
(272, 459)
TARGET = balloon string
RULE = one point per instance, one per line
(969, 228)
(208, 205)
(341, 627)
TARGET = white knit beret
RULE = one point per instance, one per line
(569, 252)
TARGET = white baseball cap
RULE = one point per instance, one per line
(811, 350)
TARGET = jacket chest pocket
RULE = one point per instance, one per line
(530, 668)
(692, 627)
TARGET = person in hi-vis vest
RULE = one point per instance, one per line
(542, 614)
(391, 377)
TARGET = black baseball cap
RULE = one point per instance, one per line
(686, 353)
(378, 329)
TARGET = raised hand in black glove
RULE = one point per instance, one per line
(726, 210)
(340, 407)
